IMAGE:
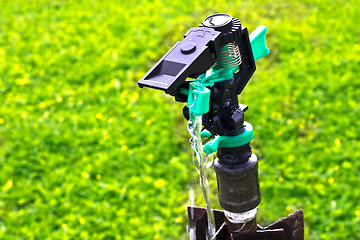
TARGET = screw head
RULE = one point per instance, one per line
(188, 47)
(217, 20)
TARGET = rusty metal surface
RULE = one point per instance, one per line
(287, 228)
(293, 225)
(198, 219)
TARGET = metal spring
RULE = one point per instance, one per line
(229, 58)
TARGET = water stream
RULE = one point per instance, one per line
(200, 160)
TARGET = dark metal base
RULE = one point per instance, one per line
(287, 228)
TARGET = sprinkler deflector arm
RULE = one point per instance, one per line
(199, 51)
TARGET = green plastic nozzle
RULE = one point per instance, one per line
(198, 99)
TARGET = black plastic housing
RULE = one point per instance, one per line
(197, 53)
(188, 58)
(238, 181)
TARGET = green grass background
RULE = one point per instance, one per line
(86, 154)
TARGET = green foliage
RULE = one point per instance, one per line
(86, 154)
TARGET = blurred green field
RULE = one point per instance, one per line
(86, 154)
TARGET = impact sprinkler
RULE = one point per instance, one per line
(208, 70)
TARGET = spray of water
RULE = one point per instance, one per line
(200, 160)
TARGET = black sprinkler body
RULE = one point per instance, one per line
(238, 181)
